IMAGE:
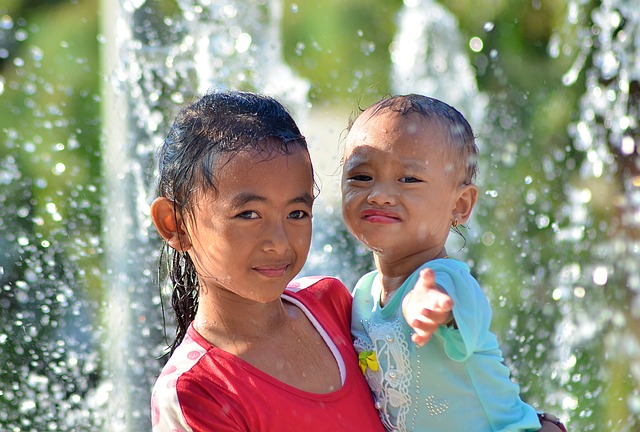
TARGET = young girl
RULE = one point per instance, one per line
(235, 196)
(409, 167)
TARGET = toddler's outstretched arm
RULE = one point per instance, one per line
(426, 307)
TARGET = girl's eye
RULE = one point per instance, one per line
(299, 214)
(410, 179)
(249, 214)
(360, 177)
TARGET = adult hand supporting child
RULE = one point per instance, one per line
(426, 307)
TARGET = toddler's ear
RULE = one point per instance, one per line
(169, 224)
(467, 197)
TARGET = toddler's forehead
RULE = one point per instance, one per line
(411, 122)
(395, 126)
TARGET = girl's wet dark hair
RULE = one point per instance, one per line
(459, 130)
(218, 124)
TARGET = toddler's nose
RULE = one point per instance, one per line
(382, 193)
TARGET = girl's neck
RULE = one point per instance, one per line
(226, 319)
(276, 338)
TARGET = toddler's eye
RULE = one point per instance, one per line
(299, 214)
(410, 179)
(360, 177)
(249, 214)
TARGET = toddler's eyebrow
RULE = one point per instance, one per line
(354, 161)
(415, 164)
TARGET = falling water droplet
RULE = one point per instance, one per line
(600, 276)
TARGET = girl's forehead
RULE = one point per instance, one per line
(250, 157)
(257, 167)
(253, 177)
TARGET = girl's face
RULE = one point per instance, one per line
(400, 191)
(252, 236)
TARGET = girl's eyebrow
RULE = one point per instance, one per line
(244, 198)
(305, 198)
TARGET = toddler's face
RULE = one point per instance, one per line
(399, 192)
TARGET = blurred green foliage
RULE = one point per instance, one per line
(50, 175)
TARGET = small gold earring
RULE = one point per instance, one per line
(454, 223)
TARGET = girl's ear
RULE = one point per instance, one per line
(467, 197)
(169, 224)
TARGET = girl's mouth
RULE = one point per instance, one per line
(272, 271)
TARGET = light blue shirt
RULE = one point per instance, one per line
(455, 382)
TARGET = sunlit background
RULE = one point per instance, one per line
(88, 89)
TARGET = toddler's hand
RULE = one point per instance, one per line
(426, 307)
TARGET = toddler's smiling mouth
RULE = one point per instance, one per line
(380, 216)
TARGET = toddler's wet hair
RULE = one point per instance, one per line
(458, 129)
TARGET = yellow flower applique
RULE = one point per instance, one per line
(368, 359)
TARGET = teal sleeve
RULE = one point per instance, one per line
(471, 311)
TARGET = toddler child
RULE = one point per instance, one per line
(408, 180)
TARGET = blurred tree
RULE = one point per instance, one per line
(49, 214)
(342, 48)
(544, 228)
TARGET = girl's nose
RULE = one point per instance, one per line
(276, 238)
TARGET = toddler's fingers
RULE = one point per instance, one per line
(426, 324)
(419, 339)
(427, 319)
(427, 278)
(439, 317)
(440, 301)
(429, 294)
(422, 332)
